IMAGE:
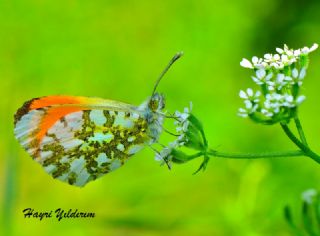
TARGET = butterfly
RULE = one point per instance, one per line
(79, 139)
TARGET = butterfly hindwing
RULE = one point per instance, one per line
(78, 139)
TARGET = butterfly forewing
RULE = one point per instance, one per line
(78, 139)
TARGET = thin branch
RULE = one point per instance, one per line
(256, 155)
(307, 151)
(300, 130)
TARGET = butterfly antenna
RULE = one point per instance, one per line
(174, 58)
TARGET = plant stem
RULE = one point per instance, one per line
(300, 130)
(306, 150)
(205, 141)
(198, 154)
(255, 155)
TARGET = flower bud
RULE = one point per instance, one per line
(179, 157)
(194, 139)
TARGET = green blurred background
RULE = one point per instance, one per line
(116, 49)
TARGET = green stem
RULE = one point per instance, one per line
(205, 141)
(255, 155)
(306, 150)
(300, 130)
(198, 154)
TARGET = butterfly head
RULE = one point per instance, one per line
(156, 102)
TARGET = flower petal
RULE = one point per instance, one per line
(246, 63)
(250, 92)
(261, 73)
(314, 47)
(295, 73)
(242, 94)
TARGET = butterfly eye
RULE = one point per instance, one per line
(157, 102)
(153, 104)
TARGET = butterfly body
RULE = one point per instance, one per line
(79, 139)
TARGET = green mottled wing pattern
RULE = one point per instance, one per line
(84, 145)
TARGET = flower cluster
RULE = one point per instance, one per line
(182, 124)
(279, 78)
(284, 57)
(189, 134)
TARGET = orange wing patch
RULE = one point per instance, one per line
(37, 103)
(36, 116)
(53, 112)
(52, 116)
(54, 100)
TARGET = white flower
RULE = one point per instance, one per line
(309, 195)
(250, 95)
(266, 112)
(250, 101)
(259, 63)
(269, 58)
(242, 112)
(245, 95)
(297, 52)
(262, 77)
(307, 50)
(183, 116)
(256, 60)
(314, 47)
(298, 77)
(300, 99)
(271, 104)
(164, 156)
(261, 73)
(250, 108)
(280, 81)
(287, 101)
(295, 73)
(287, 60)
(182, 124)
(302, 73)
(276, 57)
(275, 101)
(279, 50)
(287, 51)
(246, 63)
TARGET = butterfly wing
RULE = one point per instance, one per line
(78, 139)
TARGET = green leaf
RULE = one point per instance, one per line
(288, 217)
(197, 123)
(317, 210)
(194, 138)
(203, 164)
(304, 61)
(307, 219)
